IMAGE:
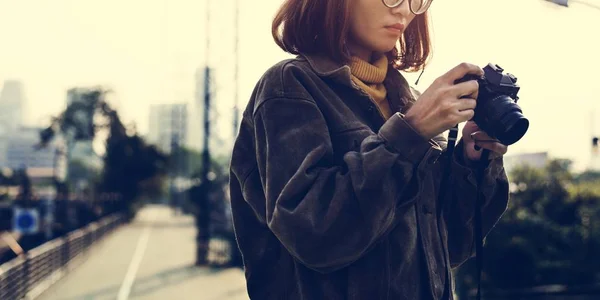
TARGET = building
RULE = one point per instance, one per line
(536, 160)
(12, 101)
(42, 164)
(168, 125)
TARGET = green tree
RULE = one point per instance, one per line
(548, 235)
(129, 163)
(184, 161)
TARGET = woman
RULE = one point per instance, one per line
(336, 169)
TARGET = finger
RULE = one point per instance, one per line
(461, 70)
(480, 135)
(464, 115)
(494, 147)
(492, 155)
(466, 103)
(472, 127)
(467, 89)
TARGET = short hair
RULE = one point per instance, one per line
(321, 27)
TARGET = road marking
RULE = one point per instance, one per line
(136, 261)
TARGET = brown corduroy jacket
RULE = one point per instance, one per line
(331, 201)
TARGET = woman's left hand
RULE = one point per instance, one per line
(473, 136)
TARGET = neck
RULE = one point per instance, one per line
(360, 52)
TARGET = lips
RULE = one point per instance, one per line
(397, 26)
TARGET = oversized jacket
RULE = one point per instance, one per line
(331, 201)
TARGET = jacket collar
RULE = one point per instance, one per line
(399, 91)
(326, 67)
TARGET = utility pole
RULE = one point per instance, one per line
(203, 207)
(207, 95)
(236, 55)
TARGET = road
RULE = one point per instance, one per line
(151, 258)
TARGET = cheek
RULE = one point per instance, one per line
(378, 40)
(372, 38)
(361, 34)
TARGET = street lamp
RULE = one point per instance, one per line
(560, 2)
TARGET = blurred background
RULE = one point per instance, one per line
(117, 119)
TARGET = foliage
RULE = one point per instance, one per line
(78, 169)
(548, 235)
(129, 163)
(184, 161)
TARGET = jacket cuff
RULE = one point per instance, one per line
(404, 139)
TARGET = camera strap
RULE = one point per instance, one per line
(478, 234)
(478, 224)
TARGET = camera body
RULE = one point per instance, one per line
(497, 112)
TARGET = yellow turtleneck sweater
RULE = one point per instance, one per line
(369, 77)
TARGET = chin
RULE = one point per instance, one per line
(385, 48)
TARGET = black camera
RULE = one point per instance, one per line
(497, 112)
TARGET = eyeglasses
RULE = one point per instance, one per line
(417, 7)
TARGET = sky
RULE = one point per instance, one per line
(148, 51)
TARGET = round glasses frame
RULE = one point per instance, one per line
(399, 2)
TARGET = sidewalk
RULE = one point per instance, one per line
(152, 258)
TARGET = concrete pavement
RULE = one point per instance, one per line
(152, 258)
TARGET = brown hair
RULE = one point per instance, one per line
(321, 26)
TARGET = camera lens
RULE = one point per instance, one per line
(515, 128)
(507, 121)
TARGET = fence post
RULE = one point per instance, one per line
(65, 251)
(89, 231)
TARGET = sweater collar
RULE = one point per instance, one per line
(370, 72)
(398, 90)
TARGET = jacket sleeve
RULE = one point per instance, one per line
(461, 209)
(329, 214)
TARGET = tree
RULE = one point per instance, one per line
(128, 161)
(184, 161)
(548, 235)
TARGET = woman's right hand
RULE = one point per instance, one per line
(445, 104)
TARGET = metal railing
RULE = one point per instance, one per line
(28, 275)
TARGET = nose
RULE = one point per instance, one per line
(402, 9)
